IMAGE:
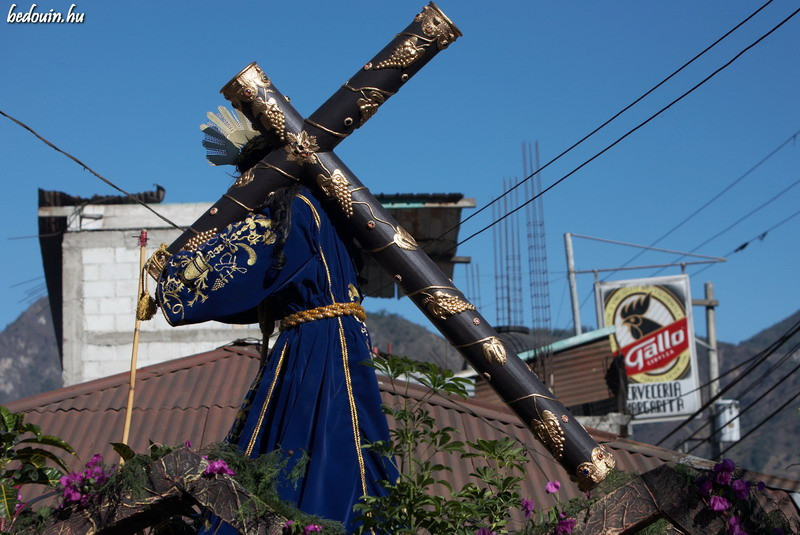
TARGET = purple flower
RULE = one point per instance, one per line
(704, 485)
(552, 486)
(761, 486)
(527, 507)
(96, 460)
(287, 527)
(188, 444)
(718, 503)
(565, 525)
(218, 467)
(734, 526)
(726, 465)
(741, 488)
(485, 531)
(723, 478)
(311, 528)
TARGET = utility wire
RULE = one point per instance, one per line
(606, 123)
(761, 357)
(743, 411)
(747, 215)
(92, 171)
(628, 133)
(760, 236)
(727, 188)
(762, 422)
(752, 386)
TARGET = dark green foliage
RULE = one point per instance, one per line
(23, 460)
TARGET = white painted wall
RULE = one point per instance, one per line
(100, 281)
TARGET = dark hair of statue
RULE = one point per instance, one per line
(279, 203)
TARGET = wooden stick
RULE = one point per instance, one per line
(135, 350)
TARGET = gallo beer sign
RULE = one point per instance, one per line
(654, 337)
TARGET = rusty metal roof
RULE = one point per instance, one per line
(196, 398)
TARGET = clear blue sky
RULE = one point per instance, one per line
(126, 90)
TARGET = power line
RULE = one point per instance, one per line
(762, 422)
(92, 171)
(760, 357)
(752, 386)
(628, 133)
(747, 215)
(760, 236)
(750, 406)
(608, 121)
(714, 198)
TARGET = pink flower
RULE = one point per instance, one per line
(218, 467)
(741, 488)
(723, 478)
(734, 527)
(311, 528)
(704, 485)
(718, 503)
(96, 460)
(726, 465)
(565, 525)
(287, 527)
(527, 507)
(552, 487)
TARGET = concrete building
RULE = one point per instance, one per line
(99, 268)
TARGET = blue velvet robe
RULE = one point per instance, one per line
(312, 393)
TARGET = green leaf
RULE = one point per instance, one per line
(50, 440)
(123, 450)
(28, 455)
(8, 499)
(40, 476)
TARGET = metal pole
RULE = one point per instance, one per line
(713, 363)
(573, 285)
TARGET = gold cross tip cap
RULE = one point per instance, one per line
(245, 84)
(436, 24)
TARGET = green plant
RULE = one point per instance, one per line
(23, 461)
(411, 506)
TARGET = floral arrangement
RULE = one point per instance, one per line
(725, 492)
(82, 488)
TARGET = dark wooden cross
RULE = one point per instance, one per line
(302, 150)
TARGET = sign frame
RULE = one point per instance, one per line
(654, 334)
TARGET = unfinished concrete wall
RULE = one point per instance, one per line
(100, 280)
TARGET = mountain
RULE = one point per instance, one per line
(29, 361)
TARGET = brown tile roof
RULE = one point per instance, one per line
(196, 398)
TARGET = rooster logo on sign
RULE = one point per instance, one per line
(633, 315)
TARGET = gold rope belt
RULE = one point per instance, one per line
(327, 311)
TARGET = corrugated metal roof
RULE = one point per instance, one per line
(196, 398)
